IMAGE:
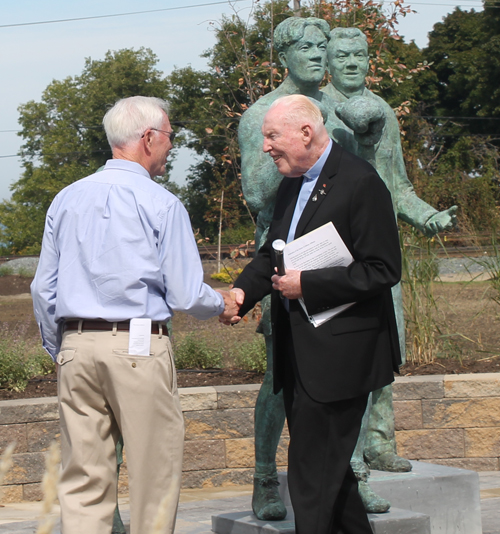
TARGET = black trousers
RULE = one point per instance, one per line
(323, 487)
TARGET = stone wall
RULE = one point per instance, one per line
(219, 446)
(450, 420)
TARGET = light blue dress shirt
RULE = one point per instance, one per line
(118, 246)
(308, 184)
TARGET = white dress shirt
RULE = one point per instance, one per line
(118, 246)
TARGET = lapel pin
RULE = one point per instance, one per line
(322, 192)
(314, 198)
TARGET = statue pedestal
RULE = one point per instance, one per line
(395, 522)
(431, 499)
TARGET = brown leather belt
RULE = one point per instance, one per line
(123, 326)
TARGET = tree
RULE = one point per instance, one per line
(465, 52)
(63, 137)
(242, 67)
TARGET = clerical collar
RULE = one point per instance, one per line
(315, 170)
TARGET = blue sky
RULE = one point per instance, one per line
(33, 55)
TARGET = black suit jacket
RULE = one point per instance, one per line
(357, 351)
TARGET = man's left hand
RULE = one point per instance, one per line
(289, 284)
(444, 220)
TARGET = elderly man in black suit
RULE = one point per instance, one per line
(326, 372)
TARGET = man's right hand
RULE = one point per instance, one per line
(232, 302)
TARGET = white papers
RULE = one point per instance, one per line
(318, 249)
(139, 340)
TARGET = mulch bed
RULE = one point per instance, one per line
(47, 387)
(452, 367)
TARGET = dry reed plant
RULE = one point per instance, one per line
(49, 486)
(6, 462)
(423, 335)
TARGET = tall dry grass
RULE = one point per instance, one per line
(49, 487)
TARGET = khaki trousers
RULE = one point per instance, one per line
(103, 391)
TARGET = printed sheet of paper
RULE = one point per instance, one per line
(318, 249)
(139, 341)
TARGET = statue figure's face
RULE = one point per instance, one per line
(306, 58)
(348, 64)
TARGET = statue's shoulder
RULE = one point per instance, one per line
(253, 117)
(327, 90)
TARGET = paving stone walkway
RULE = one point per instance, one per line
(198, 506)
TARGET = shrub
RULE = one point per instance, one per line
(251, 356)
(193, 352)
(226, 275)
(6, 270)
(25, 272)
(21, 359)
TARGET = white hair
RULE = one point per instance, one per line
(298, 108)
(130, 117)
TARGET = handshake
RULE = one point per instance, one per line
(289, 285)
(233, 300)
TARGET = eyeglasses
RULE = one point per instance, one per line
(171, 135)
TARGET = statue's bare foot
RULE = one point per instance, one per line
(389, 461)
(118, 527)
(266, 502)
(373, 503)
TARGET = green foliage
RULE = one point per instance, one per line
(194, 352)
(251, 356)
(238, 234)
(23, 272)
(465, 52)
(208, 350)
(21, 359)
(465, 174)
(6, 270)
(63, 137)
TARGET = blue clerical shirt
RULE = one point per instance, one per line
(308, 183)
(118, 246)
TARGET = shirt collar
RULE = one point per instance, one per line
(315, 170)
(126, 165)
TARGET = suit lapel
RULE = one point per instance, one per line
(323, 187)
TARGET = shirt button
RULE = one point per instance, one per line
(134, 365)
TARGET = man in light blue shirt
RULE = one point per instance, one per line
(117, 246)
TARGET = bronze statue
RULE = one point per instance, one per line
(364, 124)
(348, 63)
(301, 44)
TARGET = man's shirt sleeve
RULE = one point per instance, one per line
(182, 269)
(44, 291)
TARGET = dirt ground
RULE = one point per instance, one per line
(469, 320)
